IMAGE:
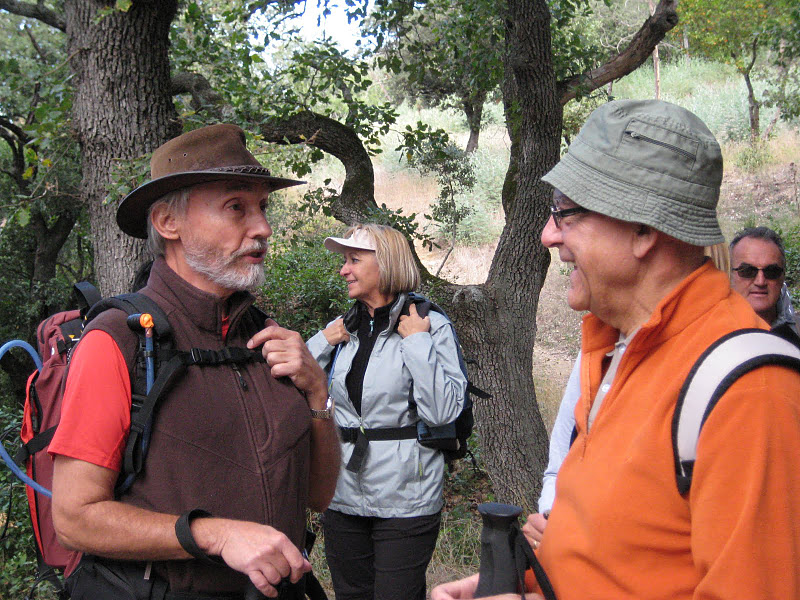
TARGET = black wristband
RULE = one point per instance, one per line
(183, 531)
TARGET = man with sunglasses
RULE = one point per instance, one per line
(759, 275)
(634, 204)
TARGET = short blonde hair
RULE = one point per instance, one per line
(720, 256)
(398, 271)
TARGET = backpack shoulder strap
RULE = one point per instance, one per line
(87, 295)
(722, 363)
(131, 304)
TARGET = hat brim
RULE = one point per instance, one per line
(600, 193)
(132, 211)
(342, 245)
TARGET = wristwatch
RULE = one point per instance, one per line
(326, 413)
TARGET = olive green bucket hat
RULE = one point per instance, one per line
(646, 161)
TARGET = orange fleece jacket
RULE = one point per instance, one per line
(619, 529)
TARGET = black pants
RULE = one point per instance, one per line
(379, 559)
(104, 579)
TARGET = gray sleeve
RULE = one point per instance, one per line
(320, 349)
(560, 438)
(438, 383)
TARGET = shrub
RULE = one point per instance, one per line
(303, 290)
(791, 243)
(753, 157)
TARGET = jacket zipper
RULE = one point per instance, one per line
(242, 382)
(638, 136)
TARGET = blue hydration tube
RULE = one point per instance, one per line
(150, 361)
(134, 321)
(333, 364)
(3, 453)
(25, 346)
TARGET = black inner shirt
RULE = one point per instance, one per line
(368, 330)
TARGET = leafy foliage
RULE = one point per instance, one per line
(791, 243)
(304, 290)
(432, 152)
(744, 32)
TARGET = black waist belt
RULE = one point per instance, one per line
(350, 434)
(362, 437)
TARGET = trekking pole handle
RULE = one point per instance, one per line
(498, 571)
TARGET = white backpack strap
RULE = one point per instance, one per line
(722, 363)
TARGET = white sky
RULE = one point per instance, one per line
(335, 25)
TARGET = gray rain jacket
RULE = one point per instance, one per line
(406, 380)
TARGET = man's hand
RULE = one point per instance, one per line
(261, 552)
(287, 356)
(464, 589)
(534, 529)
(413, 323)
(335, 333)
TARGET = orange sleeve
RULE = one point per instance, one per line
(96, 409)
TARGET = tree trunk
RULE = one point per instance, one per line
(473, 109)
(497, 321)
(656, 60)
(753, 104)
(122, 110)
(753, 108)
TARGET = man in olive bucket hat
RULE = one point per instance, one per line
(238, 452)
(634, 203)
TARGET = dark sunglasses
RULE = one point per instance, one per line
(748, 271)
(560, 213)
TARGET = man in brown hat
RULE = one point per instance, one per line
(237, 451)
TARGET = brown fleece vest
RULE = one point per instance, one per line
(234, 444)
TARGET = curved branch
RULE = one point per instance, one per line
(357, 199)
(35, 11)
(204, 97)
(651, 33)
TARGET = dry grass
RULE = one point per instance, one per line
(405, 189)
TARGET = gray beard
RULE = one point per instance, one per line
(222, 270)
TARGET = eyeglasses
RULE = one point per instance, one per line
(748, 271)
(560, 213)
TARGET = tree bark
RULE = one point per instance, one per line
(473, 109)
(753, 105)
(496, 321)
(656, 60)
(357, 199)
(122, 110)
(651, 33)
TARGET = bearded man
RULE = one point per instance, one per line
(237, 452)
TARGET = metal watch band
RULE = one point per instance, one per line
(326, 413)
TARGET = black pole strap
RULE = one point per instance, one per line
(526, 557)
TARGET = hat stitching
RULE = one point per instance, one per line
(690, 199)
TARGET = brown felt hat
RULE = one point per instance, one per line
(213, 153)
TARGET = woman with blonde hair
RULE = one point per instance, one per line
(389, 369)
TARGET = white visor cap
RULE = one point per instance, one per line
(358, 240)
